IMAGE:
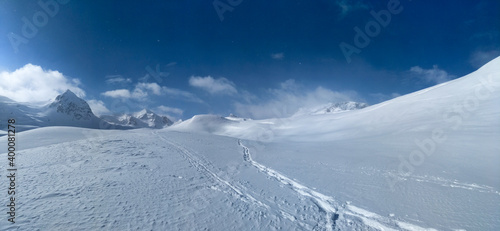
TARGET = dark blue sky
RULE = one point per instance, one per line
(262, 55)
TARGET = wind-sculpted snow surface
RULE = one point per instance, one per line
(180, 181)
(128, 181)
(331, 209)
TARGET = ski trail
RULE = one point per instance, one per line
(334, 213)
(453, 184)
(237, 192)
(325, 203)
(197, 163)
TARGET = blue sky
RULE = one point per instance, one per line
(252, 58)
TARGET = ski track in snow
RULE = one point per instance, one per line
(197, 163)
(456, 184)
(326, 203)
(235, 190)
(334, 214)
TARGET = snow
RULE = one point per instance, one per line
(142, 119)
(424, 161)
(331, 108)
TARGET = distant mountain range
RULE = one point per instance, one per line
(331, 108)
(143, 119)
(68, 109)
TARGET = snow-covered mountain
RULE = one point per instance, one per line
(72, 106)
(69, 110)
(66, 109)
(142, 119)
(331, 108)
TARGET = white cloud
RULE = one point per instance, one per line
(141, 91)
(289, 98)
(168, 110)
(119, 93)
(278, 56)
(171, 64)
(153, 87)
(117, 79)
(185, 95)
(213, 86)
(479, 58)
(433, 76)
(33, 84)
(98, 107)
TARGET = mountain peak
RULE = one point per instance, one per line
(67, 94)
(145, 111)
(345, 106)
(70, 104)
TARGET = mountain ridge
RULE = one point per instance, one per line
(141, 119)
(67, 109)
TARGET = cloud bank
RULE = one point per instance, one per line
(431, 76)
(479, 58)
(169, 110)
(289, 98)
(142, 91)
(33, 84)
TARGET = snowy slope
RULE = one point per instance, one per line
(424, 161)
(469, 101)
(27, 115)
(115, 180)
(400, 156)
